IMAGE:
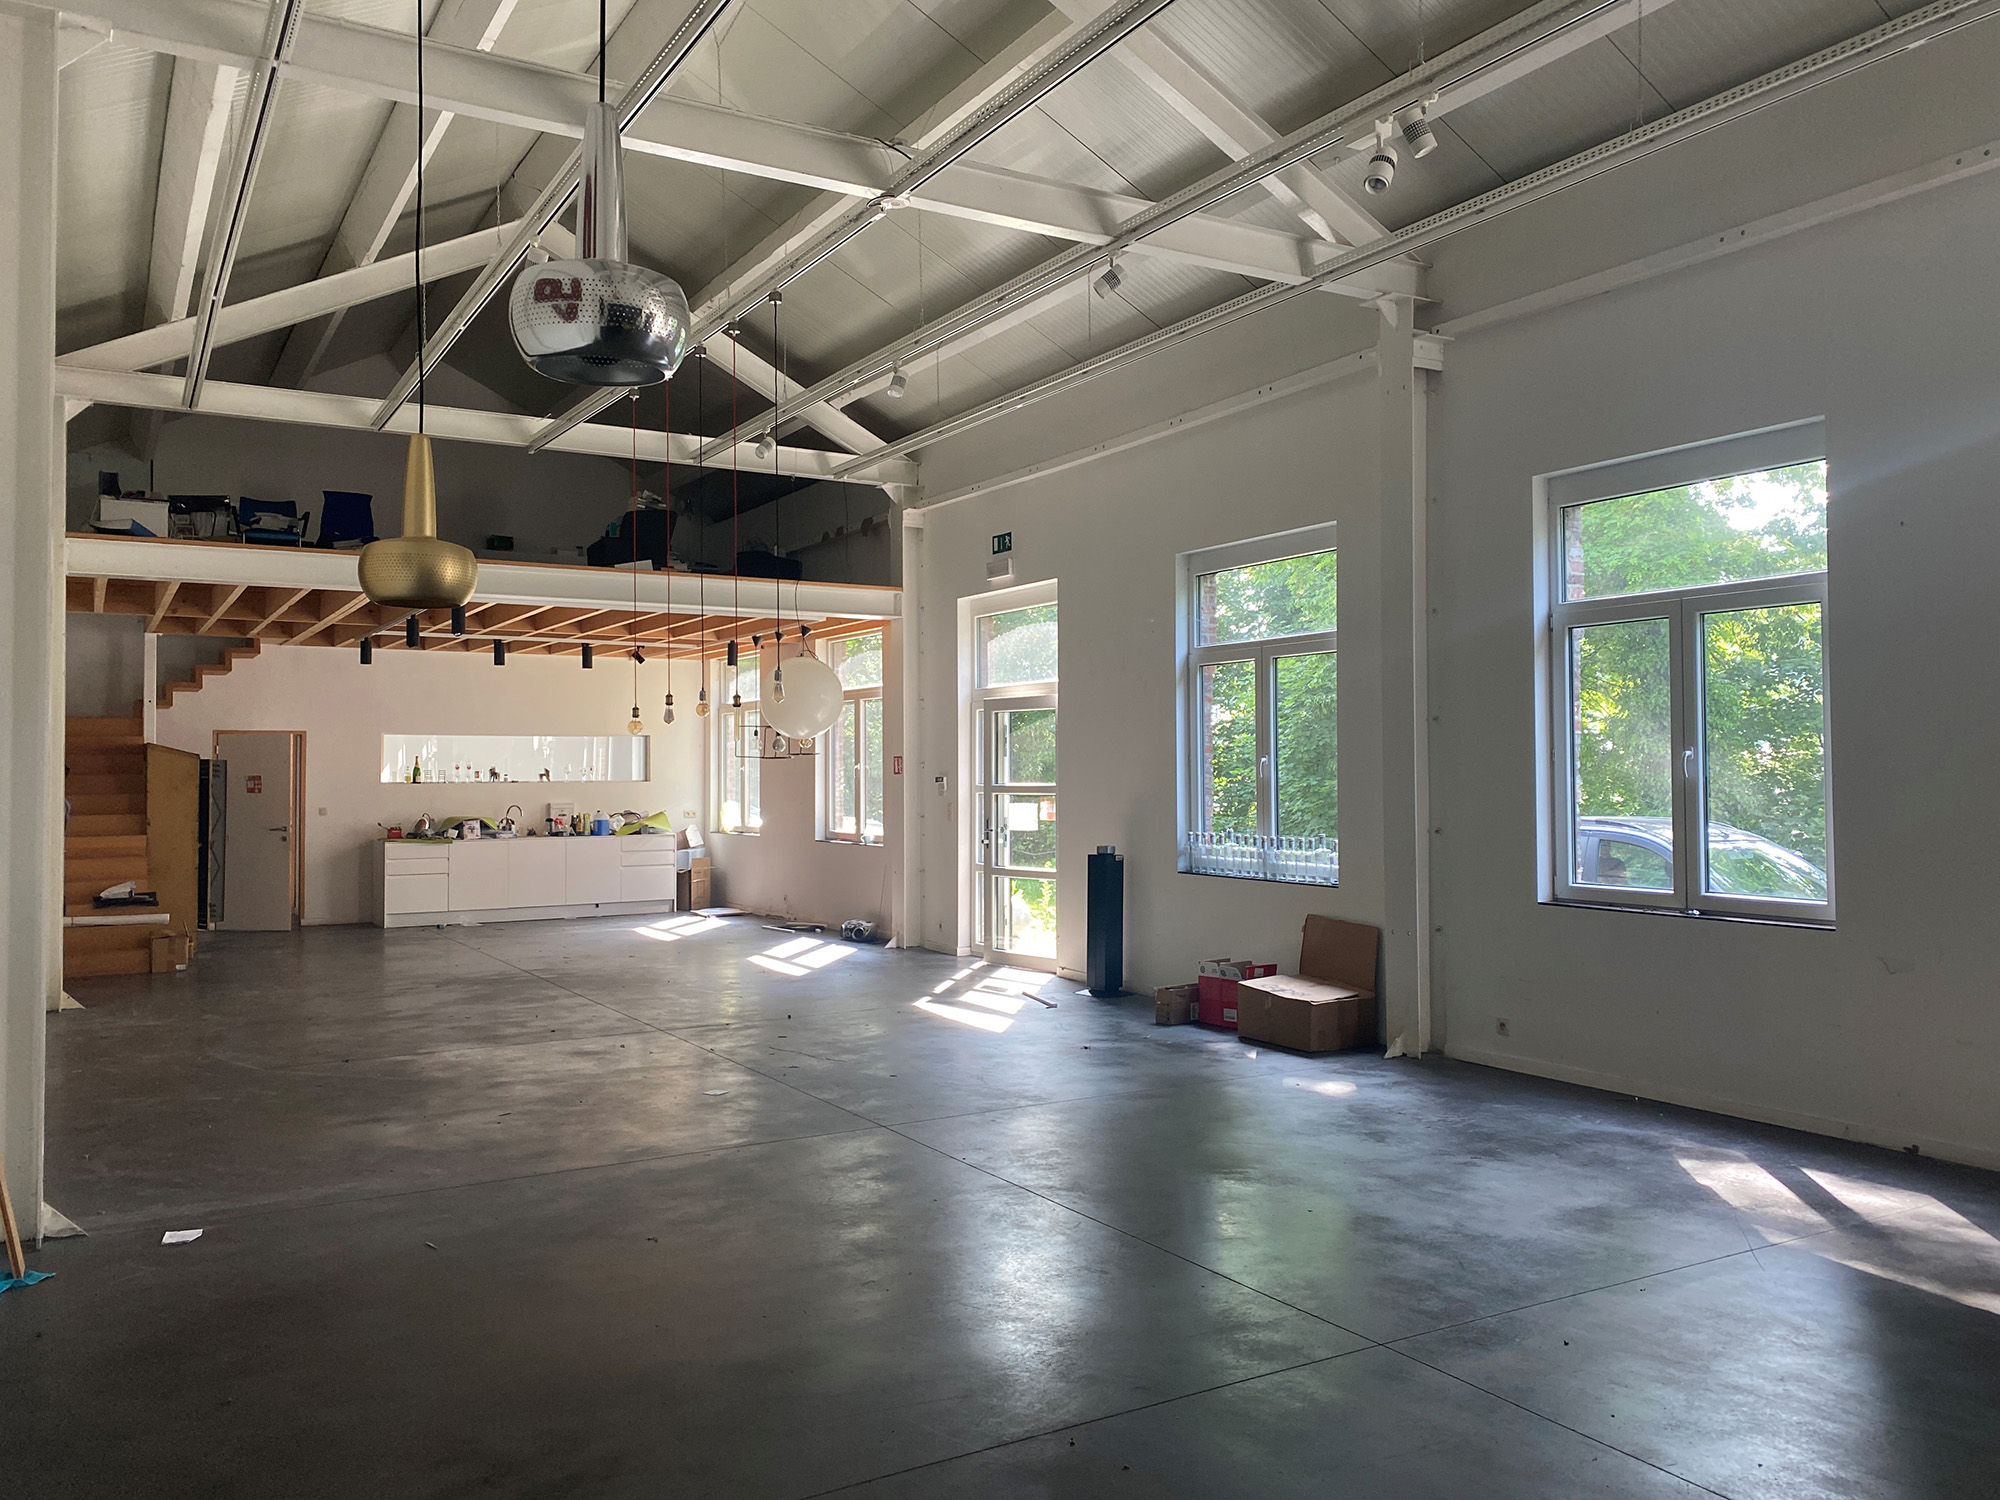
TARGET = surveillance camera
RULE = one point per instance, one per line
(1381, 169)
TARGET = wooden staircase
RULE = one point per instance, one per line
(207, 670)
(106, 842)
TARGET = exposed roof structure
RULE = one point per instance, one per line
(895, 165)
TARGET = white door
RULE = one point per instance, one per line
(258, 858)
(1015, 851)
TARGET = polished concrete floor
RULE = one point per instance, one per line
(621, 1207)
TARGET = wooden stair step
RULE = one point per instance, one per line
(90, 825)
(96, 846)
(104, 804)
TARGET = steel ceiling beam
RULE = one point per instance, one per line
(700, 22)
(280, 36)
(1913, 29)
(167, 342)
(263, 403)
(1539, 34)
(1085, 47)
(389, 181)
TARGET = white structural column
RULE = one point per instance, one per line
(30, 596)
(1404, 602)
(907, 531)
(390, 179)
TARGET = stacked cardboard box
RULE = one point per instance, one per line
(1217, 981)
(1328, 1005)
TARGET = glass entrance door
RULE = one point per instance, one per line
(1015, 849)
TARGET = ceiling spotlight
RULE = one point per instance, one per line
(1110, 281)
(766, 445)
(898, 383)
(1381, 169)
(1417, 131)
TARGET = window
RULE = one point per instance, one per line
(1017, 647)
(1689, 680)
(1262, 710)
(738, 765)
(851, 795)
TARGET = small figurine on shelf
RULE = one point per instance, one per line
(493, 773)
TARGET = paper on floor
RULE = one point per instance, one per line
(179, 1236)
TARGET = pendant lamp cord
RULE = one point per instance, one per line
(600, 50)
(735, 536)
(423, 298)
(632, 629)
(778, 509)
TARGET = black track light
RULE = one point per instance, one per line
(410, 636)
(458, 619)
(367, 651)
(499, 653)
(730, 657)
(586, 655)
(639, 656)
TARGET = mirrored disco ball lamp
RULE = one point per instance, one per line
(599, 320)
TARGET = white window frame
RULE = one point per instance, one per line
(1264, 653)
(857, 696)
(1683, 611)
(728, 740)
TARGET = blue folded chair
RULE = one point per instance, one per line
(348, 519)
(272, 523)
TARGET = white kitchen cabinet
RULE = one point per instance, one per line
(505, 880)
(479, 874)
(593, 869)
(535, 869)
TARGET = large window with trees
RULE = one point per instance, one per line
(851, 792)
(1688, 666)
(1260, 715)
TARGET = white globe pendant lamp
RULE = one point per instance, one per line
(805, 698)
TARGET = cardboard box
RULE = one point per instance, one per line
(1216, 988)
(691, 888)
(1329, 1005)
(172, 952)
(1174, 1004)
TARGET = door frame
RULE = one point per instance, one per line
(986, 705)
(296, 813)
(960, 804)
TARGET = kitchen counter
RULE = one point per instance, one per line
(429, 882)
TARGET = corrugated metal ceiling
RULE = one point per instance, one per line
(873, 68)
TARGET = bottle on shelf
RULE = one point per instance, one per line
(416, 770)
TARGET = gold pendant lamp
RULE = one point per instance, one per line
(417, 570)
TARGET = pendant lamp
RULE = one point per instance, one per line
(599, 320)
(417, 570)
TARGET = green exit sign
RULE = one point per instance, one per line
(1004, 542)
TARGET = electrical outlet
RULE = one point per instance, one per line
(1501, 1026)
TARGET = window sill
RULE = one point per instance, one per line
(1311, 885)
(1807, 924)
(840, 843)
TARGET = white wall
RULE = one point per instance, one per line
(1885, 1028)
(1109, 533)
(104, 667)
(345, 709)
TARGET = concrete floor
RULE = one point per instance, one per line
(581, 1209)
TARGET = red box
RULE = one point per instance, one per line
(1215, 999)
